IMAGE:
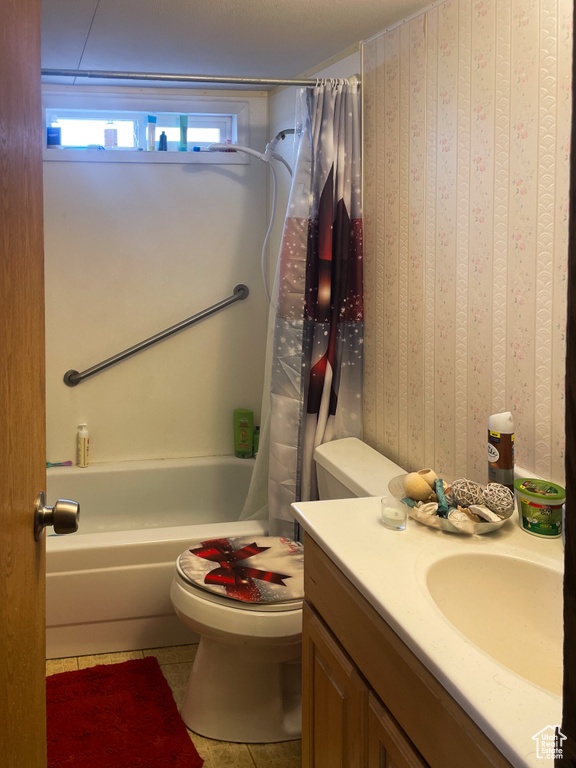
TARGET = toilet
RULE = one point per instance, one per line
(243, 597)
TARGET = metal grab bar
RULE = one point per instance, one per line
(72, 378)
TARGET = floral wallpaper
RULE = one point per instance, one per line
(467, 111)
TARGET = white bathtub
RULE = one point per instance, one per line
(107, 586)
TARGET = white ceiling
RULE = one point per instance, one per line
(260, 38)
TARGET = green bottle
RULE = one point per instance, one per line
(243, 432)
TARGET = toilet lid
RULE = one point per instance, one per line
(267, 569)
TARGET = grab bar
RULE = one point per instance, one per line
(72, 378)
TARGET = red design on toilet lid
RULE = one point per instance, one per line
(263, 570)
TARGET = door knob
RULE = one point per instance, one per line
(63, 516)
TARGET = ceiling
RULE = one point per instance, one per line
(247, 38)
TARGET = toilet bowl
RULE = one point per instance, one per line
(245, 680)
(244, 599)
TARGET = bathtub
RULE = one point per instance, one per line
(107, 586)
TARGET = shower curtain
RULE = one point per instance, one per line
(314, 377)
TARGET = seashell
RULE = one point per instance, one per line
(415, 487)
(466, 492)
(471, 515)
(429, 475)
(461, 521)
(427, 510)
(485, 513)
(499, 499)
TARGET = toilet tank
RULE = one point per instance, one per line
(348, 468)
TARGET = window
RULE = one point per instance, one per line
(83, 129)
(125, 126)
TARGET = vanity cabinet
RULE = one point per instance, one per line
(347, 726)
(368, 701)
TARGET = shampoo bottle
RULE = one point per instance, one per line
(183, 146)
(151, 133)
(82, 446)
(243, 432)
(110, 136)
(501, 449)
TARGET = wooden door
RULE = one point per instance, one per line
(334, 699)
(388, 745)
(22, 408)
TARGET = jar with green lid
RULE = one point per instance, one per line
(540, 506)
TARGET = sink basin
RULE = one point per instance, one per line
(510, 608)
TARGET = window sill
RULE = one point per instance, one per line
(55, 154)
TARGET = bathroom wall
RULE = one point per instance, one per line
(132, 249)
(466, 160)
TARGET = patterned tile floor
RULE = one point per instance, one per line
(175, 663)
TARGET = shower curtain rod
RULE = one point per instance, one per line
(222, 79)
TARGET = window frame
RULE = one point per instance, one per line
(116, 100)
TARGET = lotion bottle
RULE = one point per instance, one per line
(82, 446)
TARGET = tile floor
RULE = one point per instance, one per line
(175, 663)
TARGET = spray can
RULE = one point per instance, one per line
(501, 449)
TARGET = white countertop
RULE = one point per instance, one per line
(389, 569)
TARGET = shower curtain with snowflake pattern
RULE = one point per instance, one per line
(316, 367)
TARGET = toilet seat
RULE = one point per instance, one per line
(230, 602)
(262, 574)
(229, 620)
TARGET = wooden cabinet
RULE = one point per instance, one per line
(388, 745)
(345, 725)
(334, 703)
(368, 701)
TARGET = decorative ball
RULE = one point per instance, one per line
(429, 475)
(415, 487)
(466, 492)
(498, 498)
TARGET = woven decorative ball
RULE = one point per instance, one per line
(498, 498)
(466, 492)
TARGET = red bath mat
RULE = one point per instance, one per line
(116, 716)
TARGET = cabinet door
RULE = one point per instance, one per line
(388, 745)
(334, 701)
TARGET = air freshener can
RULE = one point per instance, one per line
(501, 449)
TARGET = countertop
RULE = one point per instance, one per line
(389, 569)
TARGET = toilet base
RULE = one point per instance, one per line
(232, 697)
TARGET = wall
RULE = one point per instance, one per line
(132, 249)
(467, 122)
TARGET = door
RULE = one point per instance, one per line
(388, 745)
(334, 699)
(22, 409)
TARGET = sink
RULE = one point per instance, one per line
(510, 608)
